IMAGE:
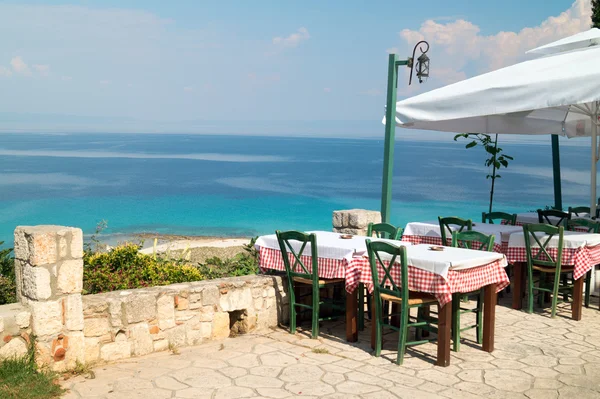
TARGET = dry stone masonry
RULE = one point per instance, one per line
(354, 221)
(71, 328)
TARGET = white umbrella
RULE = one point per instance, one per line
(580, 40)
(558, 94)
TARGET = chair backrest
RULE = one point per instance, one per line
(592, 226)
(393, 257)
(297, 267)
(384, 230)
(446, 222)
(506, 218)
(576, 210)
(545, 215)
(537, 246)
(473, 240)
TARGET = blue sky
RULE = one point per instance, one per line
(268, 67)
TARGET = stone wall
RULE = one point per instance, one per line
(71, 328)
(354, 221)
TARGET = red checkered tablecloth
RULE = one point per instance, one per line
(414, 239)
(358, 271)
(594, 253)
(580, 258)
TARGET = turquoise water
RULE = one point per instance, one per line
(241, 186)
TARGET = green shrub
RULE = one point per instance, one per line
(8, 285)
(125, 268)
(240, 265)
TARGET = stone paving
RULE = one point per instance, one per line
(535, 357)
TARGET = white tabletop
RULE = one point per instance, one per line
(432, 229)
(571, 239)
(329, 245)
(532, 217)
(440, 262)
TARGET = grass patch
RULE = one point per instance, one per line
(21, 379)
(322, 351)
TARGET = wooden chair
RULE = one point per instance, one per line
(545, 215)
(447, 222)
(505, 218)
(481, 242)
(384, 230)
(540, 260)
(576, 210)
(592, 226)
(300, 273)
(388, 289)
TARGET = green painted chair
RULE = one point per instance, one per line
(452, 221)
(388, 289)
(576, 210)
(481, 242)
(307, 275)
(592, 226)
(545, 215)
(505, 218)
(380, 230)
(384, 230)
(539, 259)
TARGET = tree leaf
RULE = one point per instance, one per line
(471, 144)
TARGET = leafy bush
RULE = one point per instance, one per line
(240, 265)
(8, 285)
(125, 268)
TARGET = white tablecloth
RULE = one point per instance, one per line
(440, 262)
(532, 217)
(432, 229)
(572, 239)
(329, 245)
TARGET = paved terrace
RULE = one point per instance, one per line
(535, 357)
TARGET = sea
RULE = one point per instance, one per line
(216, 185)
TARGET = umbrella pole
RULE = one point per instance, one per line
(594, 163)
(556, 172)
(493, 174)
(390, 138)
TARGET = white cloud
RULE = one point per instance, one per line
(327, 89)
(43, 70)
(188, 89)
(292, 40)
(459, 49)
(5, 71)
(19, 66)
(105, 82)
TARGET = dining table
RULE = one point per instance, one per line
(532, 218)
(580, 249)
(441, 273)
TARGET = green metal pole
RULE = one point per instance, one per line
(556, 172)
(390, 137)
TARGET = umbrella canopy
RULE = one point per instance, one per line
(580, 40)
(557, 94)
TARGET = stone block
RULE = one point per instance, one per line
(76, 243)
(35, 282)
(142, 343)
(184, 315)
(210, 295)
(140, 307)
(115, 311)
(220, 325)
(73, 312)
(176, 336)
(16, 348)
(46, 317)
(21, 248)
(1, 324)
(96, 326)
(182, 303)
(236, 299)
(161, 345)
(338, 219)
(165, 309)
(19, 280)
(206, 313)
(76, 352)
(41, 244)
(92, 349)
(360, 218)
(70, 276)
(115, 351)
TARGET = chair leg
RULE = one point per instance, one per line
(315, 312)
(479, 328)
(542, 294)
(530, 289)
(588, 289)
(565, 281)
(369, 306)
(420, 318)
(377, 319)
(456, 299)
(557, 279)
(361, 307)
(292, 309)
(402, 334)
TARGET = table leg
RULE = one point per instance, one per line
(489, 316)
(351, 316)
(577, 304)
(444, 324)
(374, 319)
(519, 285)
(395, 319)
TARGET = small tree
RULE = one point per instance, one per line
(496, 159)
(595, 13)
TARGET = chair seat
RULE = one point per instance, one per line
(321, 281)
(414, 298)
(545, 269)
